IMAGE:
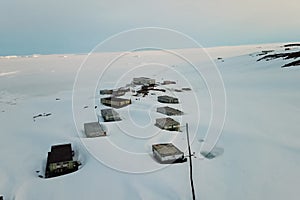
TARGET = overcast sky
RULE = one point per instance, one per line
(76, 26)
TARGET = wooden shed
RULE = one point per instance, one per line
(115, 102)
(167, 153)
(94, 129)
(167, 99)
(168, 124)
(169, 111)
(110, 115)
(143, 81)
(60, 161)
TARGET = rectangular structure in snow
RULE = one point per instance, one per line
(94, 129)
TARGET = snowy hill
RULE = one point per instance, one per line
(257, 153)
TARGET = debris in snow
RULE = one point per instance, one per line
(41, 115)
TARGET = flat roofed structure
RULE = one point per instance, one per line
(169, 111)
(168, 124)
(143, 81)
(167, 153)
(168, 82)
(167, 99)
(110, 115)
(94, 129)
(115, 102)
(105, 91)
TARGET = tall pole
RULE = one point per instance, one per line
(191, 164)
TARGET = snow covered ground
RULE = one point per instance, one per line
(260, 138)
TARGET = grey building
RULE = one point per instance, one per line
(94, 129)
(143, 81)
(115, 102)
(167, 153)
(167, 82)
(110, 115)
(167, 99)
(117, 92)
(169, 111)
(168, 124)
(105, 92)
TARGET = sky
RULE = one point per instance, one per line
(77, 26)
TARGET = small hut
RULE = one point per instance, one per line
(169, 111)
(167, 99)
(143, 81)
(168, 124)
(167, 153)
(94, 129)
(105, 92)
(115, 102)
(110, 115)
(168, 82)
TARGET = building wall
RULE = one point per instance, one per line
(165, 99)
(143, 81)
(113, 103)
(167, 158)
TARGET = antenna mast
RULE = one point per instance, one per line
(191, 164)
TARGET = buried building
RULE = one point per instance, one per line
(167, 153)
(115, 102)
(110, 115)
(168, 124)
(60, 161)
(94, 129)
(169, 111)
(167, 99)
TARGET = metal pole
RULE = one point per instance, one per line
(191, 164)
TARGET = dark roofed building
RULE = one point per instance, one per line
(60, 153)
(168, 124)
(167, 153)
(169, 111)
(60, 161)
(167, 99)
(105, 91)
(110, 115)
(115, 102)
